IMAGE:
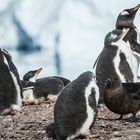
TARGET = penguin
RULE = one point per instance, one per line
(32, 75)
(115, 54)
(75, 109)
(126, 20)
(122, 98)
(10, 87)
(46, 88)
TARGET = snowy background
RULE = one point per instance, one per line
(70, 33)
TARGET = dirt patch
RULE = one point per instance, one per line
(35, 122)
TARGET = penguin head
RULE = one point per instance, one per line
(112, 83)
(31, 75)
(126, 18)
(5, 58)
(6, 54)
(115, 36)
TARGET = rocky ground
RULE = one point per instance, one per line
(35, 122)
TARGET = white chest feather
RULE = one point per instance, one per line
(18, 100)
(124, 48)
(84, 130)
(136, 59)
(90, 112)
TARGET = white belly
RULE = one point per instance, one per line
(124, 48)
(84, 130)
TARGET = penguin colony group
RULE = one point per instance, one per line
(115, 83)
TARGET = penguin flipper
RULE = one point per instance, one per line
(136, 48)
(96, 60)
(125, 68)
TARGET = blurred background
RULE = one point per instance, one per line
(64, 37)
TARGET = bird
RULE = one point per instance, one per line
(10, 87)
(122, 98)
(75, 109)
(126, 20)
(115, 54)
(46, 88)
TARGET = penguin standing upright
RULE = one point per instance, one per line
(126, 20)
(76, 107)
(10, 87)
(129, 61)
(115, 53)
(46, 88)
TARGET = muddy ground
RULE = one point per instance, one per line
(35, 123)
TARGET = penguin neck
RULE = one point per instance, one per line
(111, 47)
(125, 26)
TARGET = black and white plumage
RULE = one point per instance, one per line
(129, 60)
(76, 107)
(126, 20)
(122, 98)
(47, 87)
(10, 87)
(115, 54)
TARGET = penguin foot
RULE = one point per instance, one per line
(133, 119)
(51, 99)
(12, 110)
(32, 102)
(15, 109)
(92, 136)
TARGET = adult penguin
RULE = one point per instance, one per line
(116, 52)
(10, 88)
(126, 20)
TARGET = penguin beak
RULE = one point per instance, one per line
(136, 8)
(38, 71)
(124, 32)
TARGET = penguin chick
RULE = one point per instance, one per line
(75, 110)
(46, 88)
(10, 87)
(122, 98)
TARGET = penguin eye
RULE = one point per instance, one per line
(117, 37)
